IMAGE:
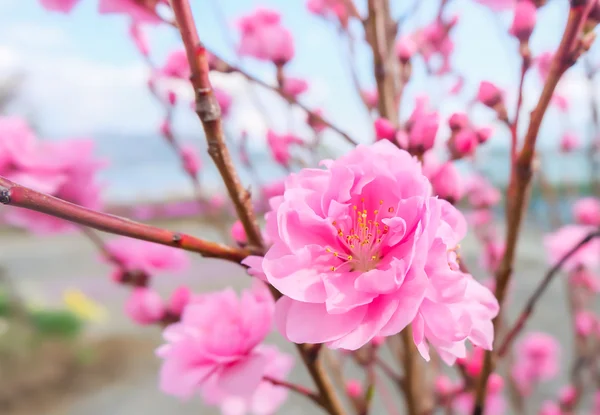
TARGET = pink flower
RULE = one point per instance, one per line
(406, 47)
(484, 134)
(560, 101)
(350, 246)
(524, 20)
(224, 100)
(280, 146)
(145, 256)
(587, 211)
(585, 323)
(543, 62)
(550, 408)
(384, 129)
(569, 142)
(443, 385)
(139, 39)
(492, 255)
(176, 65)
(326, 7)
(266, 399)
(179, 300)
(445, 179)
(494, 401)
(536, 361)
(560, 242)
(464, 143)
(481, 192)
(145, 306)
(434, 40)
(567, 396)
(238, 233)
(294, 86)
(458, 121)
(216, 346)
(473, 363)
(255, 268)
(263, 37)
(498, 5)
(489, 94)
(273, 189)
(63, 6)
(422, 126)
(585, 279)
(143, 11)
(354, 388)
(191, 160)
(315, 123)
(371, 98)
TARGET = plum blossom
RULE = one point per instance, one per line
(481, 193)
(422, 128)
(542, 63)
(384, 129)
(587, 211)
(280, 146)
(489, 94)
(569, 142)
(585, 323)
(294, 86)
(191, 160)
(444, 177)
(143, 11)
(263, 37)
(406, 47)
(145, 306)
(176, 65)
(324, 8)
(62, 6)
(354, 388)
(433, 40)
(524, 20)
(536, 360)
(350, 248)
(238, 233)
(224, 100)
(147, 257)
(495, 403)
(371, 98)
(550, 408)
(179, 299)
(227, 359)
(560, 242)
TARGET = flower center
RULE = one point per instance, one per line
(361, 239)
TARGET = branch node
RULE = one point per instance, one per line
(207, 106)
(5, 196)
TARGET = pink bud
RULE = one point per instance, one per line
(224, 100)
(585, 322)
(567, 396)
(354, 388)
(543, 63)
(402, 139)
(144, 306)
(587, 211)
(443, 385)
(165, 129)
(61, 6)
(447, 183)
(550, 408)
(405, 48)
(384, 129)
(314, 122)
(569, 142)
(524, 20)
(378, 341)
(560, 101)
(238, 233)
(489, 94)
(371, 98)
(586, 279)
(191, 161)
(458, 121)
(495, 384)
(294, 86)
(179, 299)
(171, 97)
(465, 142)
(484, 134)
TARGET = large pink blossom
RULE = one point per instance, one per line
(266, 399)
(263, 37)
(141, 11)
(148, 257)
(560, 242)
(350, 246)
(216, 346)
(536, 360)
(63, 6)
(587, 211)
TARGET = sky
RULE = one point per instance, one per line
(84, 77)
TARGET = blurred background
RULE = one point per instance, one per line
(65, 343)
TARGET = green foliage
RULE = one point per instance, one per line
(59, 323)
(4, 303)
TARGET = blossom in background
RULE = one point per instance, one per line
(191, 159)
(148, 257)
(145, 306)
(498, 5)
(569, 142)
(445, 179)
(481, 193)
(141, 11)
(279, 144)
(294, 86)
(350, 248)
(560, 242)
(215, 349)
(489, 94)
(224, 100)
(422, 128)
(542, 63)
(263, 37)
(371, 98)
(238, 233)
(587, 211)
(495, 404)
(176, 65)
(550, 408)
(63, 6)
(536, 360)
(324, 8)
(524, 20)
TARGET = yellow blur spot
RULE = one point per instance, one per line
(83, 306)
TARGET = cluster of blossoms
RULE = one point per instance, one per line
(66, 169)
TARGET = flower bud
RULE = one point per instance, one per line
(524, 20)
(405, 48)
(458, 121)
(238, 233)
(384, 129)
(144, 306)
(179, 299)
(354, 388)
(489, 94)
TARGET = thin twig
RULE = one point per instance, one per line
(565, 56)
(15, 195)
(299, 389)
(539, 291)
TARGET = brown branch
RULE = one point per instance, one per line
(209, 113)
(413, 373)
(15, 195)
(514, 126)
(536, 295)
(521, 173)
(296, 388)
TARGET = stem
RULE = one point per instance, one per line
(295, 388)
(539, 291)
(515, 124)
(521, 176)
(413, 375)
(209, 113)
(15, 195)
(389, 372)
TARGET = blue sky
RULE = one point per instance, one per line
(84, 77)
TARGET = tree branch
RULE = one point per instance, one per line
(296, 388)
(521, 173)
(15, 195)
